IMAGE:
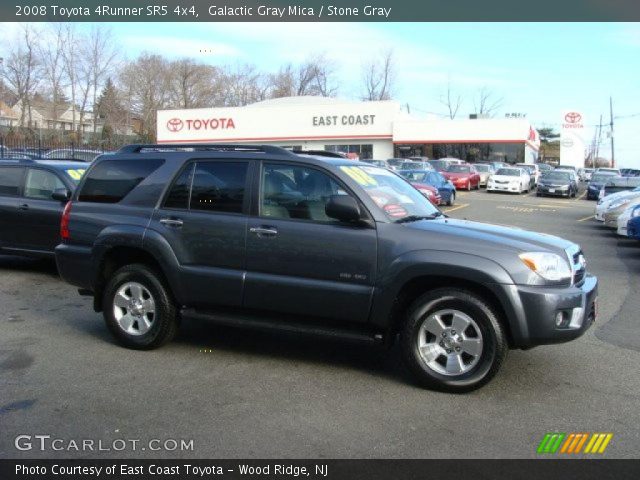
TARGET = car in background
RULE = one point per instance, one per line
(415, 165)
(566, 167)
(614, 171)
(633, 225)
(544, 167)
(624, 218)
(557, 183)
(485, 171)
(441, 164)
(73, 154)
(630, 172)
(509, 179)
(419, 159)
(33, 194)
(394, 163)
(446, 190)
(377, 163)
(604, 203)
(617, 208)
(463, 175)
(431, 193)
(598, 180)
(584, 174)
(533, 171)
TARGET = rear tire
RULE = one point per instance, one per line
(138, 308)
(452, 341)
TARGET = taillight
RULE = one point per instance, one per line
(64, 222)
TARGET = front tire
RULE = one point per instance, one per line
(452, 341)
(452, 199)
(138, 308)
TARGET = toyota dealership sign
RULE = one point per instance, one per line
(572, 139)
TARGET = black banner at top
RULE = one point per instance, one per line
(319, 10)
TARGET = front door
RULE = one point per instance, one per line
(204, 220)
(300, 261)
(38, 226)
(10, 188)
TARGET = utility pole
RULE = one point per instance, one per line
(613, 160)
(598, 142)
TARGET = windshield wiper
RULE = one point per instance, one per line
(415, 218)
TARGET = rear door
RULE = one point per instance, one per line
(301, 262)
(10, 188)
(204, 219)
(38, 223)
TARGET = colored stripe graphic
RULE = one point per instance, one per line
(573, 443)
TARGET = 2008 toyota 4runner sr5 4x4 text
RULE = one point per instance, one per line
(263, 237)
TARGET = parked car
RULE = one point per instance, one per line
(617, 207)
(557, 183)
(510, 179)
(604, 203)
(442, 164)
(532, 170)
(431, 193)
(262, 237)
(485, 171)
(623, 220)
(445, 188)
(584, 174)
(414, 165)
(613, 171)
(32, 196)
(377, 163)
(633, 226)
(72, 154)
(394, 163)
(419, 159)
(598, 180)
(544, 167)
(462, 175)
(630, 172)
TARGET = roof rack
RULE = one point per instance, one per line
(215, 147)
(318, 153)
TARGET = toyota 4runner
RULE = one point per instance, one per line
(259, 236)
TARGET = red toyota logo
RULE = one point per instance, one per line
(573, 117)
(175, 125)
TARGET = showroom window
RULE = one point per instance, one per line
(363, 152)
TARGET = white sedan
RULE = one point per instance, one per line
(623, 220)
(509, 179)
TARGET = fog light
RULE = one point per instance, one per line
(562, 319)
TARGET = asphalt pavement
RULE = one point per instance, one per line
(242, 394)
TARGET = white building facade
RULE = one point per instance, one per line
(362, 130)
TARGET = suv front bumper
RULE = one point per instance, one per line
(557, 314)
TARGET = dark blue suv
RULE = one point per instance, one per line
(258, 236)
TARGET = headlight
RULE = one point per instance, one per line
(548, 265)
(618, 203)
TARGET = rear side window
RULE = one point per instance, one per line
(179, 194)
(41, 184)
(10, 178)
(111, 180)
(219, 186)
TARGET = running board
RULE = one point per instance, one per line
(268, 324)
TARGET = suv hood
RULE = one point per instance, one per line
(474, 233)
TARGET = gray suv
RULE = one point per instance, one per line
(258, 236)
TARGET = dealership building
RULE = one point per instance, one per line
(363, 130)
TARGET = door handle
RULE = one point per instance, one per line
(264, 231)
(172, 222)
(23, 206)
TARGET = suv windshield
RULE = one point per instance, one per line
(394, 195)
(602, 177)
(508, 172)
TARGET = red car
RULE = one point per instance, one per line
(428, 191)
(463, 176)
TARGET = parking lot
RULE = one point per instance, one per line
(241, 394)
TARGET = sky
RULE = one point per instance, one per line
(540, 69)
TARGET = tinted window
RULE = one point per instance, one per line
(179, 194)
(41, 184)
(290, 191)
(10, 178)
(219, 186)
(111, 180)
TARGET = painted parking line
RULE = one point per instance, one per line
(586, 218)
(544, 205)
(462, 205)
(581, 196)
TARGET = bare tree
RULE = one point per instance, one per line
(451, 100)
(50, 53)
(20, 71)
(378, 77)
(315, 76)
(70, 48)
(101, 53)
(194, 85)
(245, 85)
(486, 102)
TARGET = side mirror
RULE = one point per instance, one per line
(61, 194)
(343, 207)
